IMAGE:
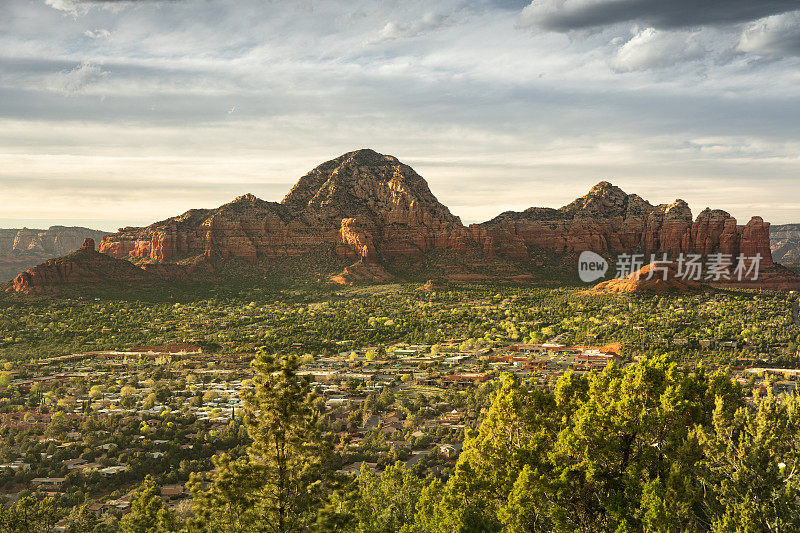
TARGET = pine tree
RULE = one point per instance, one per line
(147, 512)
(278, 485)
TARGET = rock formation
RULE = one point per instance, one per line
(649, 278)
(85, 267)
(373, 211)
(367, 205)
(362, 273)
(23, 248)
(431, 286)
(607, 220)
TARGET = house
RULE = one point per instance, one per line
(171, 492)
(72, 464)
(450, 451)
(96, 508)
(112, 470)
(355, 468)
(48, 483)
(418, 455)
(16, 466)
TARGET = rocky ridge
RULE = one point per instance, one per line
(85, 266)
(22, 248)
(377, 213)
(607, 220)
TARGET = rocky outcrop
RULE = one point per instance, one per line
(362, 273)
(356, 242)
(85, 267)
(607, 220)
(431, 286)
(651, 277)
(23, 248)
(368, 206)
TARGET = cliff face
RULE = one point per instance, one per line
(366, 205)
(23, 248)
(607, 220)
(785, 244)
(374, 210)
(82, 267)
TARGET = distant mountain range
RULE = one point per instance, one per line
(369, 217)
(786, 244)
(23, 248)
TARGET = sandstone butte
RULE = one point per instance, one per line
(85, 266)
(378, 213)
(648, 278)
(23, 248)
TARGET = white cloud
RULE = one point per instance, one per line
(653, 49)
(400, 30)
(70, 6)
(492, 117)
(97, 34)
(75, 81)
(778, 35)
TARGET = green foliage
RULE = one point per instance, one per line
(751, 466)
(30, 515)
(278, 486)
(386, 502)
(649, 448)
(147, 512)
(82, 520)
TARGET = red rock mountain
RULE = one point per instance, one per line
(607, 220)
(373, 210)
(23, 248)
(80, 268)
(367, 205)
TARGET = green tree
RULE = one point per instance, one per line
(278, 485)
(750, 467)
(82, 520)
(387, 502)
(516, 432)
(31, 515)
(147, 512)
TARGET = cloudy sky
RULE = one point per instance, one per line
(117, 113)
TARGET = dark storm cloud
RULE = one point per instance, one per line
(561, 15)
(509, 4)
(774, 37)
